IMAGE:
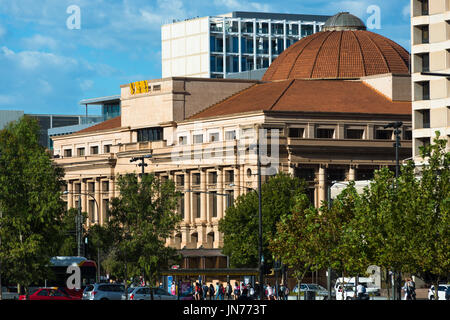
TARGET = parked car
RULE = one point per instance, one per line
(317, 288)
(10, 293)
(143, 293)
(52, 293)
(104, 291)
(371, 288)
(441, 292)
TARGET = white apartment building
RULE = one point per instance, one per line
(214, 46)
(430, 42)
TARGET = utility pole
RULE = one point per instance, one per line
(396, 126)
(142, 164)
(260, 247)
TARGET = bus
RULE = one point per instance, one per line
(59, 267)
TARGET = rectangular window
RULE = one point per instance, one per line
(68, 153)
(196, 179)
(383, 134)
(197, 204)
(424, 7)
(181, 207)
(107, 148)
(307, 174)
(324, 133)
(213, 203)
(230, 135)
(91, 187)
(230, 198)
(80, 152)
(150, 134)
(407, 135)
(105, 186)
(212, 178)
(364, 174)
(94, 150)
(213, 137)
(335, 174)
(354, 134)
(425, 118)
(229, 176)
(198, 138)
(296, 132)
(425, 34)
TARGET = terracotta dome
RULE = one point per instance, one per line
(334, 54)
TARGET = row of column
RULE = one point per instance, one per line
(98, 213)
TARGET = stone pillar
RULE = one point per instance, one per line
(351, 173)
(84, 207)
(70, 194)
(237, 188)
(187, 197)
(98, 198)
(203, 207)
(322, 186)
(220, 189)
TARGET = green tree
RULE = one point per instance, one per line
(140, 221)
(30, 201)
(297, 242)
(431, 238)
(240, 224)
(68, 232)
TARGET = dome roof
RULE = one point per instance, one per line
(339, 55)
(343, 21)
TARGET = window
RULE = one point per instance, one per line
(364, 174)
(94, 150)
(91, 186)
(105, 186)
(212, 178)
(80, 152)
(213, 203)
(296, 132)
(181, 207)
(424, 118)
(180, 180)
(157, 87)
(407, 135)
(150, 134)
(334, 174)
(68, 153)
(383, 134)
(230, 135)
(229, 198)
(425, 34)
(182, 140)
(107, 148)
(424, 7)
(229, 176)
(198, 138)
(324, 133)
(354, 133)
(196, 178)
(307, 174)
(213, 137)
(197, 203)
(422, 90)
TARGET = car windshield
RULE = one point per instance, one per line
(313, 287)
(130, 290)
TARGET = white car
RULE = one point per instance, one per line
(349, 292)
(143, 293)
(441, 292)
(321, 292)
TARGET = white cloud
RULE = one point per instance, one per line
(39, 41)
(406, 12)
(86, 84)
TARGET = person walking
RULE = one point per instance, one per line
(237, 291)
(410, 289)
(269, 292)
(217, 290)
(360, 291)
(221, 291)
(229, 291)
(211, 291)
(204, 291)
(282, 289)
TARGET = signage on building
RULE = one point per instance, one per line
(139, 87)
(175, 267)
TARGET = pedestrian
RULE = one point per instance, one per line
(269, 292)
(221, 291)
(286, 292)
(251, 291)
(217, 288)
(204, 291)
(229, 291)
(237, 291)
(244, 295)
(282, 289)
(197, 292)
(410, 289)
(173, 289)
(211, 291)
(360, 290)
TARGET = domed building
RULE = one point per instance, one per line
(320, 109)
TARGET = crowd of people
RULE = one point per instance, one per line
(239, 291)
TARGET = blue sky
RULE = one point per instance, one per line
(46, 67)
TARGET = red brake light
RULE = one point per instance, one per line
(93, 293)
(131, 296)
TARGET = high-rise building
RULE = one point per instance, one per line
(430, 35)
(214, 46)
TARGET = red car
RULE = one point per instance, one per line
(49, 294)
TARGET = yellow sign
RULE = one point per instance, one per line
(139, 87)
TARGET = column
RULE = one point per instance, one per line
(322, 185)
(187, 197)
(220, 199)
(84, 206)
(98, 198)
(351, 173)
(237, 180)
(203, 207)
(70, 194)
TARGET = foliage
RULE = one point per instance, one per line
(240, 224)
(68, 232)
(140, 220)
(30, 201)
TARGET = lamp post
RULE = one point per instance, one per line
(396, 126)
